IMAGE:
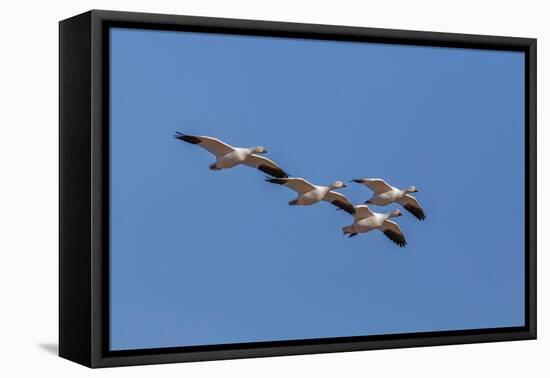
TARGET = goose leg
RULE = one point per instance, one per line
(352, 235)
(214, 167)
(293, 202)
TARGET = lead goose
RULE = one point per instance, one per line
(366, 220)
(384, 194)
(228, 156)
(308, 194)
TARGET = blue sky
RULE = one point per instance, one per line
(202, 257)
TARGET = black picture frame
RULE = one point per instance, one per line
(84, 195)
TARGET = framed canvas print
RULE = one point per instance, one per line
(234, 188)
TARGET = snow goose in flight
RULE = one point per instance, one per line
(228, 156)
(384, 194)
(308, 194)
(366, 220)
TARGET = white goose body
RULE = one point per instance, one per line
(367, 220)
(384, 194)
(233, 158)
(309, 194)
(228, 156)
(383, 199)
(313, 196)
(370, 223)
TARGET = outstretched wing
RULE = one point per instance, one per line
(212, 145)
(265, 165)
(297, 184)
(362, 212)
(412, 206)
(340, 200)
(376, 185)
(393, 232)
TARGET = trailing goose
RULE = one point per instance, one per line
(366, 220)
(384, 194)
(308, 194)
(228, 156)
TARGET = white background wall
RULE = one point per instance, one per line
(29, 186)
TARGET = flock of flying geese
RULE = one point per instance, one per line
(308, 194)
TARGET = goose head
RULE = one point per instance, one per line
(395, 213)
(411, 189)
(337, 185)
(259, 150)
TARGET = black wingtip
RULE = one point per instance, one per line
(279, 181)
(417, 212)
(350, 209)
(359, 181)
(275, 172)
(187, 138)
(398, 239)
